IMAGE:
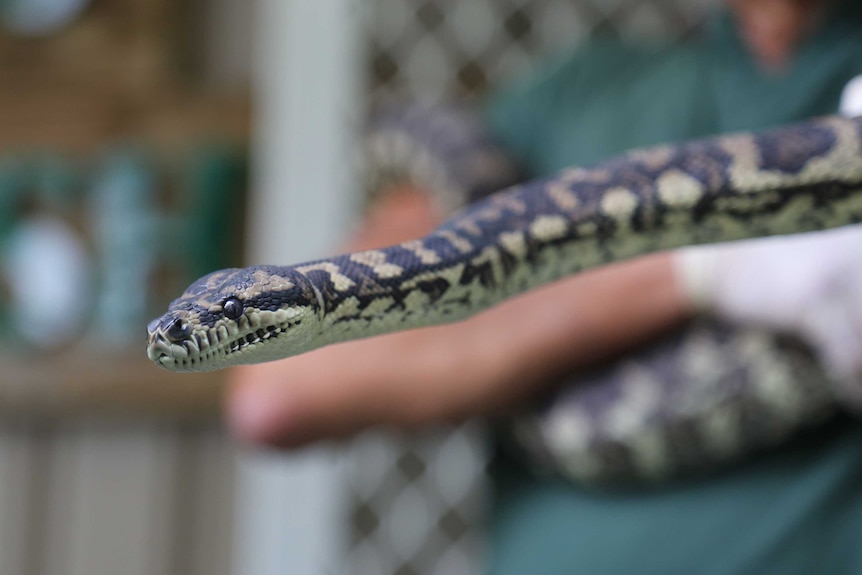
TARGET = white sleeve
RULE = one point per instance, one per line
(851, 98)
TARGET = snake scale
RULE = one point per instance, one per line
(793, 179)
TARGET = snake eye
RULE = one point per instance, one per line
(178, 330)
(232, 308)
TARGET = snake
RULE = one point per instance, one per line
(694, 402)
(792, 179)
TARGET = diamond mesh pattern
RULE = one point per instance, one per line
(460, 48)
(416, 501)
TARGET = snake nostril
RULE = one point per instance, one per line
(178, 330)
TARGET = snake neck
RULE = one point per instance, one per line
(794, 179)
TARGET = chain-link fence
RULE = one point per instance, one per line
(417, 500)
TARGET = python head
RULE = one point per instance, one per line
(237, 316)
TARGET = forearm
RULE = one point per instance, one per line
(526, 344)
(592, 317)
(529, 341)
(480, 366)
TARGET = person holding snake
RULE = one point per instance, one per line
(795, 505)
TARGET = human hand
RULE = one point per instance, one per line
(807, 284)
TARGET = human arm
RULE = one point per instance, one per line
(481, 366)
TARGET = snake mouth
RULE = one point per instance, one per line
(254, 338)
(205, 349)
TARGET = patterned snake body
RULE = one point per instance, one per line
(794, 179)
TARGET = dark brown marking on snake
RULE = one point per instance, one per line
(794, 150)
(433, 288)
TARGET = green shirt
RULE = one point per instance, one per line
(794, 511)
(611, 97)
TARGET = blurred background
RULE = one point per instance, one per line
(146, 142)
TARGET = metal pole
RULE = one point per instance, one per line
(307, 95)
